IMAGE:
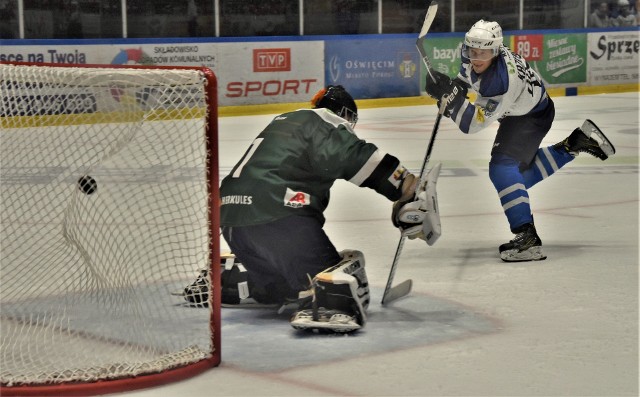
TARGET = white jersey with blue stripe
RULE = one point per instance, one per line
(509, 87)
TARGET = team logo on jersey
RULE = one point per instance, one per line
(296, 199)
(491, 106)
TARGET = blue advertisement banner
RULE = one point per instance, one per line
(374, 68)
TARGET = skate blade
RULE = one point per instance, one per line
(316, 326)
(338, 323)
(591, 130)
(532, 254)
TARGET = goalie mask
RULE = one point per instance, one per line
(483, 41)
(339, 101)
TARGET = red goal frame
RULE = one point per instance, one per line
(189, 370)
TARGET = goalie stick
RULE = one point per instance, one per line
(393, 293)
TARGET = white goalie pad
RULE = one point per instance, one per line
(424, 211)
(340, 297)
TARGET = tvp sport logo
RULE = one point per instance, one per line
(272, 60)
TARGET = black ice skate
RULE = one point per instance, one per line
(526, 246)
(588, 139)
(197, 293)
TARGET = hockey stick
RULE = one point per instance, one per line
(403, 289)
(426, 25)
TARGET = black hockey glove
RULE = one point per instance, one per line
(442, 84)
(457, 93)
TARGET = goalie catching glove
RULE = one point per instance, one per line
(418, 216)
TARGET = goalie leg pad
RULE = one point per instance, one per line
(235, 289)
(234, 281)
(340, 297)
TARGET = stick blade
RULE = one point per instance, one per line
(399, 291)
(428, 19)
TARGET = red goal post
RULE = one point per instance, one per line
(88, 269)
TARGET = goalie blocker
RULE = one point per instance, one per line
(420, 218)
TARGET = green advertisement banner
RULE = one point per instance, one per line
(444, 54)
(563, 58)
(559, 58)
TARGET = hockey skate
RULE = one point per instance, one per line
(197, 293)
(588, 139)
(526, 246)
(340, 298)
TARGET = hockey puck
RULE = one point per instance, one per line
(87, 184)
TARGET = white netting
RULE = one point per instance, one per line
(86, 273)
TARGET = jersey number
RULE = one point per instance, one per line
(526, 74)
(247, 156)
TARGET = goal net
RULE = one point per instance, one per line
(108, 204)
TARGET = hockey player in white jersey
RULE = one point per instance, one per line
(510, 92)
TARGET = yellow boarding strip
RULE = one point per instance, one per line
(102, 118)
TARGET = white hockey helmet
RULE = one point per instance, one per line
(483, 35)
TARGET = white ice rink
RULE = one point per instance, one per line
(566, 326)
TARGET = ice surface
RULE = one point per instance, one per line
(473, 325)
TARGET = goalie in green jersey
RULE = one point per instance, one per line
(272, 204)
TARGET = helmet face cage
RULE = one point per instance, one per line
(483, 41)
(338, 100)
(349, 115)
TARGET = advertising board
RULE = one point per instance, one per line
(265, 70)
(374, 68)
